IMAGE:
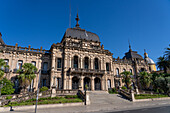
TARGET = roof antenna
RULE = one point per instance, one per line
(70, 15)
(129, 45)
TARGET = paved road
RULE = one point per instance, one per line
(102, 102)
(163, 109)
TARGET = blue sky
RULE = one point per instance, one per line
(146, 23)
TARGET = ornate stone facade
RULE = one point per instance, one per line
(78, 61)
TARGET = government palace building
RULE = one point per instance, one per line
(78, 61)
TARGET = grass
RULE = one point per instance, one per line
(112, 91)
(148, 96)
(48, 100)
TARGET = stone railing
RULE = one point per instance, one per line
(129, 94)
(79, 70)
(16, 48)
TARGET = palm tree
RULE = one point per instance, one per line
(2, 66)
(27, 74)
(126, 78)
(145, 79)
(167, 53)
(163, 64)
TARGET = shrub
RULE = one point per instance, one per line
(123, 87)
(7, 88)
(8, 97)
(113, 91)
(44, 88)
(71, 96)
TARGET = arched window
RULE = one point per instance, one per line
(96, 63)
(86, 62)
(75, 61)
(131, 70)
(19, 64)
(117, 71)
(124, 70)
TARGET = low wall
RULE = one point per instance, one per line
(5, 109)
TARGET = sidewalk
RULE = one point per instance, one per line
(101, 102)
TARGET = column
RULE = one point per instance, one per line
(81, 62)
(52, 71)
(92, 67)
(92, 83)
(102, 83)
(82, 82)
(70, 82)
(106, 84)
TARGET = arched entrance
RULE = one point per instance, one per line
(97, 83)
(109, 83)
(87, 82)
(75, 83)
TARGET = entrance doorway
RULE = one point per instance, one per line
(75, 83)
(97, 83)
(87, 82)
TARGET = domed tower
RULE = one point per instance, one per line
(151, 63)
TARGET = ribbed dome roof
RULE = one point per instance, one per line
(149, 60)
(81, 34)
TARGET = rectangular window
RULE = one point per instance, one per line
(45, 66)
(19, 64)
(6, 63)
(44, 82)
(59, 63)
(107, 67)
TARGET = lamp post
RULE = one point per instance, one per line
(38, 90)
(1, 86)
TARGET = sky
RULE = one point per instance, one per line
(145, 23)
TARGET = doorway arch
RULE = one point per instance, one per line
(75, 83)
(97, 83)
(87, 82)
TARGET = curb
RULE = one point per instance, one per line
(4, 109)
(151, 99)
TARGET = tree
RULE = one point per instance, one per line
(167, 53)
(7, 88)
(163, 64)
(126, 78)
(145, 79)
(2, 65)
(27, 74)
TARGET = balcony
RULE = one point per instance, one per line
(44, 72)
(94, 71)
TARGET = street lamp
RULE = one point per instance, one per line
(38, 90)
(1, 86)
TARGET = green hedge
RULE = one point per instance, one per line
(48, 100)
(147, 96)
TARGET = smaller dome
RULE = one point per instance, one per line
(149, 60)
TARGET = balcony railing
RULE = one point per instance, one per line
(79, 70)
(44, 72)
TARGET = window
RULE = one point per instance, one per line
(44, 82)
(124, 70)
(86, 62)
(33, 63)
(142, 69)
(131, 70)
(19, 64)
(107, 67)
(45, 66)
(59, 63)
(117, 71)
(6, 61)
(75, 61)
(96, 63)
